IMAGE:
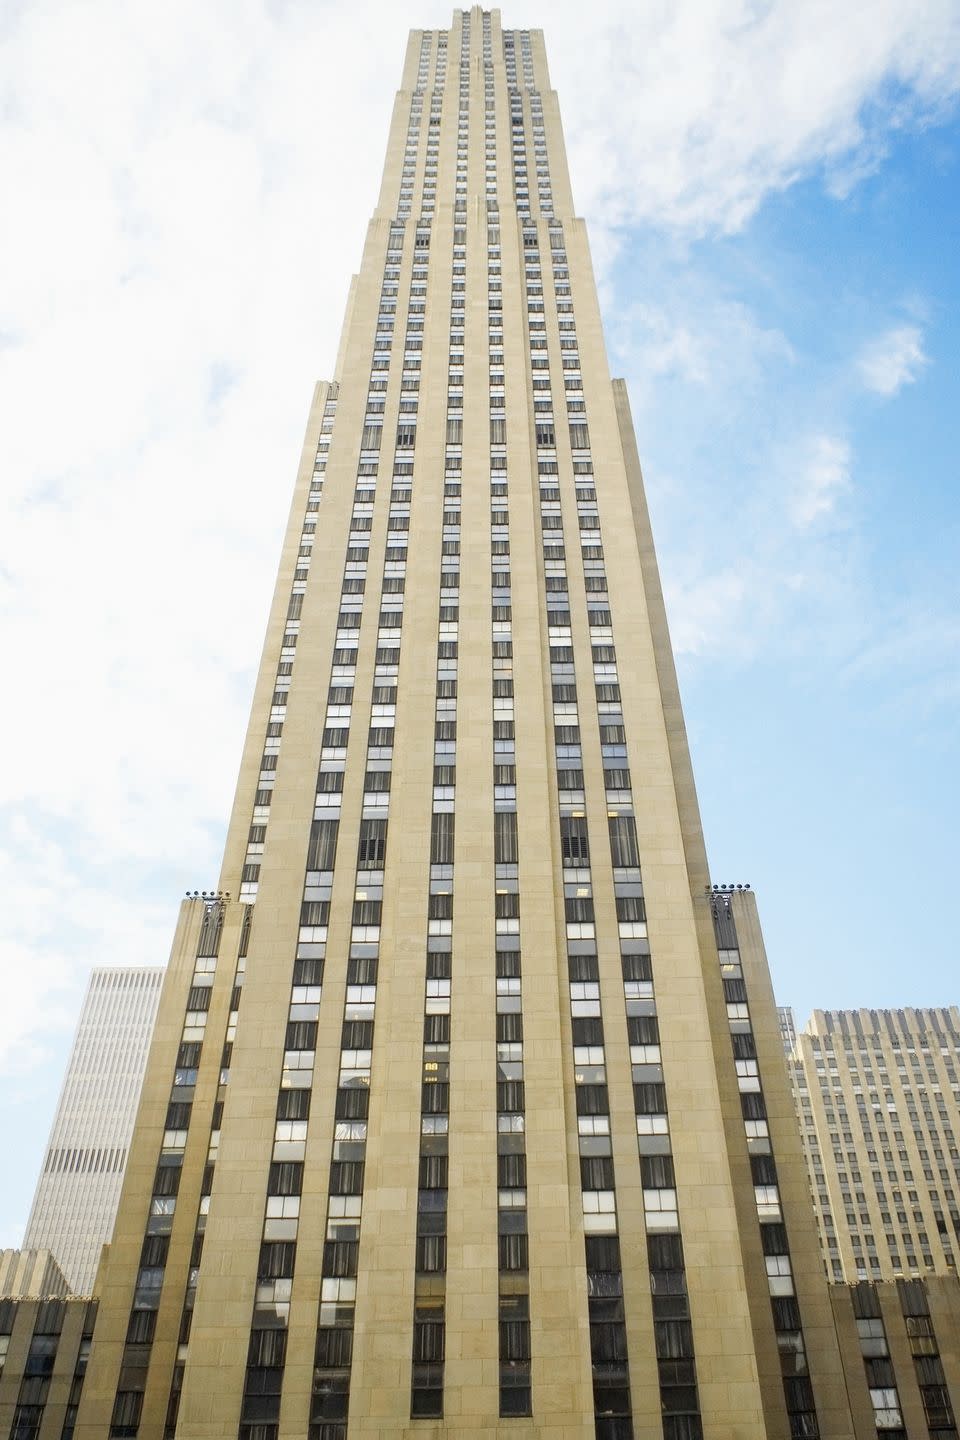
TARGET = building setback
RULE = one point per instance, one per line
(79, 1187)
(877, 1093)
(466, 1111)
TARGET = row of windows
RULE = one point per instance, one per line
(153, 1258)
(611, 1380)
(797, 1388)
(515, 1376)
(671, 1313)
(250, 877)
(429, 1316)
(34, 1389)
(330, 1398)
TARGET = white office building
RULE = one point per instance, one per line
(79, 1187)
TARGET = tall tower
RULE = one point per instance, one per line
(467, 1110)
(79, 1187)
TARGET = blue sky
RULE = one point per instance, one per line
(821, 690)
(772, 195)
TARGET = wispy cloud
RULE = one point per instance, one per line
(892, 360)
(719, 106)
(822, 477)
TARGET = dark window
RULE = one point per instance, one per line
(210, 928)
(301, 1035)
(624, 850)
(432, 1253)
(436, 1029)
(340, 1257)
(154, 1250)
(574, 841)
(346, 1177)
(649, 1099)
(276, 1260)
(510, 1027)
(643, 1030)
(334, 1347)
(674, 1339)
(126, 1412)
(372, 846)
(513, 1254)
(428, 1335)
(267, 1348)
(356, 1035)
(323, 839)
(435, 1098)
(506, 848)
(426, 1396)
(141, 1327)
(588, 1030)
(286, 1178)
(751, 1103)
(40, 1356)
(596, 1172)
(602, 1253)
(510, 1096)
(293, 1105)
(314, 912)
(630, 907)
(593, 1100)
(512, 1171)
(764, 1169)
(583, 967)
(441, 839)
(167, 1180)
(367, 912)
(774, 1239)
(352, 1104)
(656, 1172)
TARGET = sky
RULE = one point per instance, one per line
(772, 189)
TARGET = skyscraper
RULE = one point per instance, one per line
(467, 1098)
(79, 1187)
(788, 1028)
(877, 1093)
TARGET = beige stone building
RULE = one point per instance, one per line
(31, 1274)
(877, 1094)
(466, 1111)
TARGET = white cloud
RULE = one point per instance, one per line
(822, 477)
(893, 359)
(714, 106)
(695, 337)
(706, 610)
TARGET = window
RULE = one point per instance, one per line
(506, 847)
(322, 850)
(574, 842)
(371, 849)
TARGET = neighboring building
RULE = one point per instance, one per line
(901, 1358)
(32, 1274)
(788, 1029)
(44, 1348)
(466, 1097)
(877, 1093)
(79, 1188)
(894, 1342)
